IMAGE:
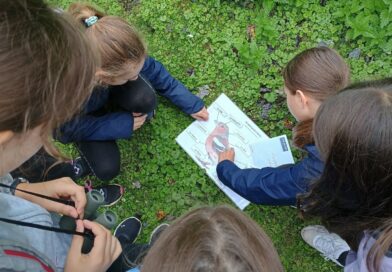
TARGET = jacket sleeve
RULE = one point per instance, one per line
(270, 186)
(111, 126)
(98, 99)
(171, 88)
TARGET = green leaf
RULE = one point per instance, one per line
(270, 97)
(385, 18)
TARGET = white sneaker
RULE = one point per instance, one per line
(329, 244)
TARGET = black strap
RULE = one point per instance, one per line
(32, 225)
(59, 200)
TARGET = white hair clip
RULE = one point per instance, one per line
(90, 21)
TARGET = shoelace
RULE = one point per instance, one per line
(328, 246)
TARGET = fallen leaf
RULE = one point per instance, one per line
(171, 181)
(160, 215)
(288, 124)
(251, 32)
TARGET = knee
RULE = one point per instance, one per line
(107, 170)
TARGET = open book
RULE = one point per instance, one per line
(228, 127)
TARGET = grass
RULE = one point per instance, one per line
(211, 43)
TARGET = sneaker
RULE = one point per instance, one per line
(112, 193)
(81, 169)
(128, 230)
(329, 244)
(156, 233)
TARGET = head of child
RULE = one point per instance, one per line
(213, 239)
(353, 132)
(43, 56)
(312, 76)
(121, 49)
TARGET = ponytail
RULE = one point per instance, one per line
(117, 42)
(302, 134)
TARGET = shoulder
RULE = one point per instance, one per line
(357, 261)
(312, 151)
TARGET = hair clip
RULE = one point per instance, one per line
(90, 21)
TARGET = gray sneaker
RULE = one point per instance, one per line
(329, 244)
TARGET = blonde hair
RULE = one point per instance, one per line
(117, 42)
(213, 239)
(46, 66)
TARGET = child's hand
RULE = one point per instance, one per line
(201, 115)
(138, 120)
(228, 154)
(105, 251)
(59, 188)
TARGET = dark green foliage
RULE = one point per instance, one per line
(239, 48)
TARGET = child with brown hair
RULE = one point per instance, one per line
(309, 78)
(124, 58)
(212, 239)
(47, 69)
(352, 197)
(126, 82)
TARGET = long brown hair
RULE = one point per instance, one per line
(117, 42)
(219, 239)
(47, 67)
(353, 132)
(319, 73)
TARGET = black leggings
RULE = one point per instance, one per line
(38, 168)
(102, 158)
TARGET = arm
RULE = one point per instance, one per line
(270, 186)
(171, 88)
(111, 126)
(98, 99)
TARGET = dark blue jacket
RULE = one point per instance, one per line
(119, 125)
(272, 186)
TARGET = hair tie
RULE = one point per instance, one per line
(90, 21)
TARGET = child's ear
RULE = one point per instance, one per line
(302, 97)
(6, 136)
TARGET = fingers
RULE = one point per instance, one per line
(228, 154)
(66, 188)
(65, 210)
(106, 246)
(100, 241)
(77, 241)
(79, 197)
(139, 121)
(201, 115)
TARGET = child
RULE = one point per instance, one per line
(47, 72)
(212, 239)
(123, 58)
(309, 78)
(353, 132)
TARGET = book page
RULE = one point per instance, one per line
(227, 127)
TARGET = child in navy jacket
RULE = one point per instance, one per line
(309, 78)
(127, 80)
